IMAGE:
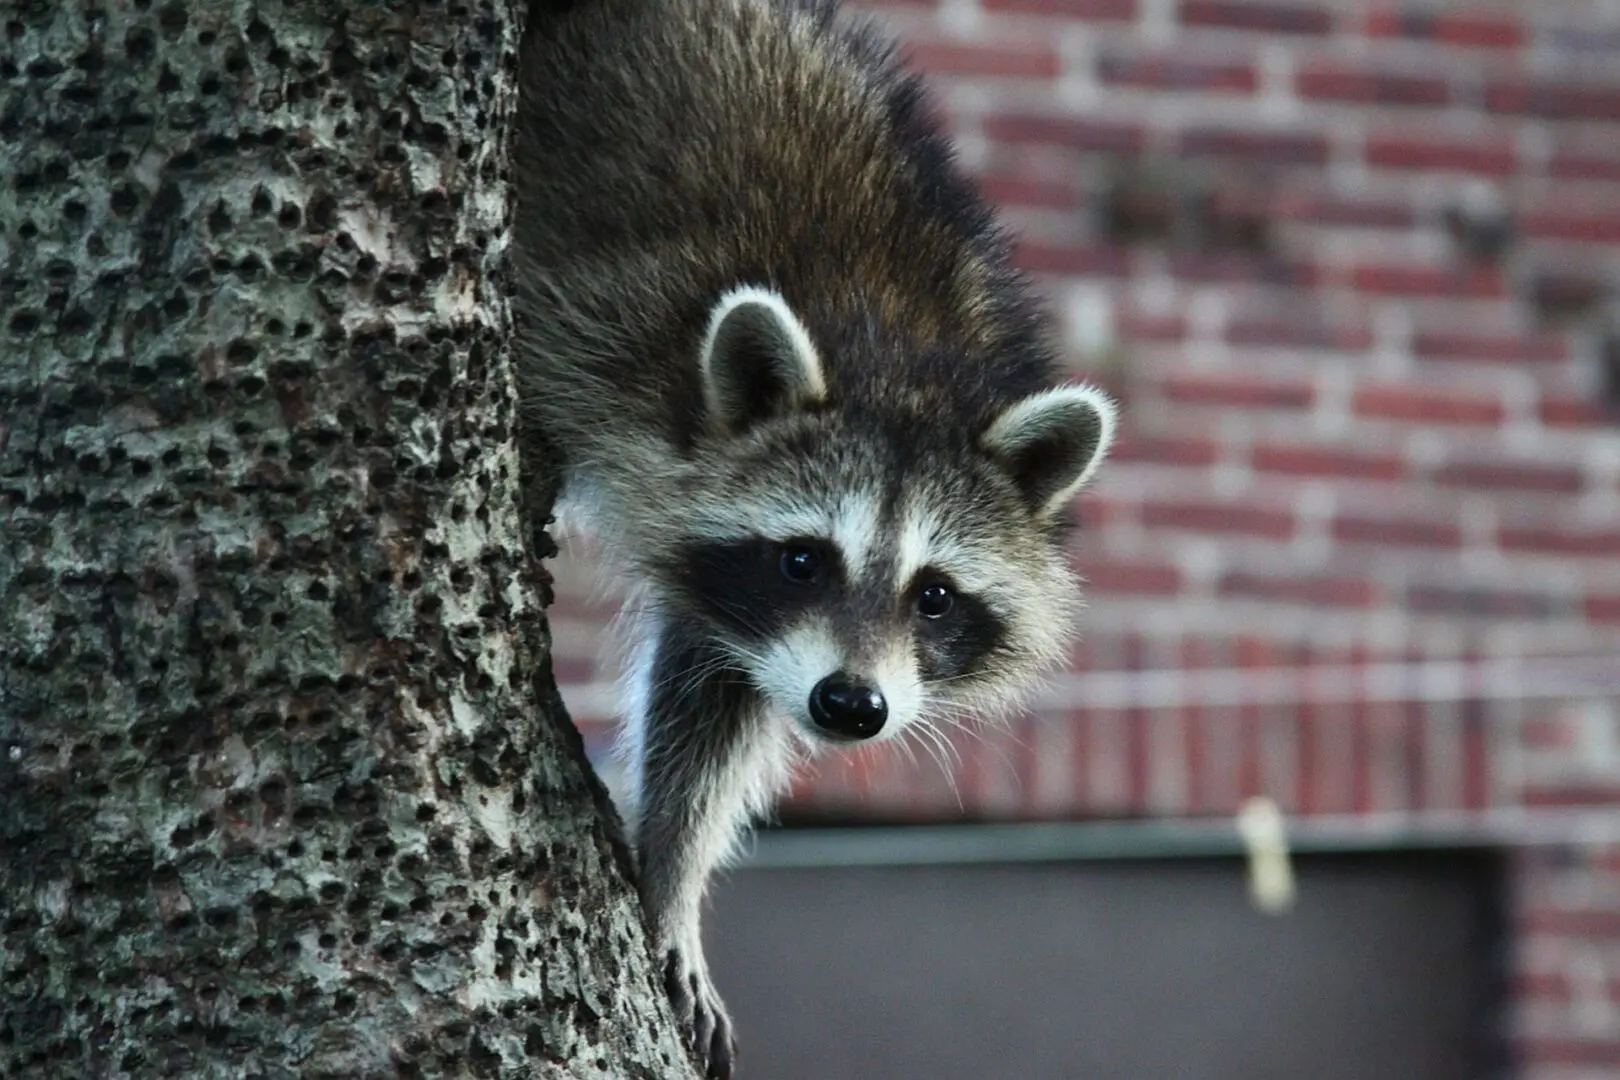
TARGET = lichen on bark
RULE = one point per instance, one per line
(285, 787)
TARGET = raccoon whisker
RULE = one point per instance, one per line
(942, 753)
(688, 679)
(901, 746)
(973, 726)
(927, 730)
(743, 654)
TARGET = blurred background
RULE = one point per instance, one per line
(1354, 271)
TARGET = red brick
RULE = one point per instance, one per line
(1008, 190)
(1491, 157)
(1275, 18)
(1397, 531)
(1165, 449)
(572, 669)
(1039, 258)
(1534, 1051)
(1312, 592)
(1298, 460)
(1218, 517)
(1225, 268)
(1576, 165)
(1564, 293)
(1603, 608)
(1426, 404)
(1485, 602)
(1166, 72)
(1243, 391)
(1486, 31)
(1483, 283)
(1548, 733)
(1330, 82)
(1140, 326)
(1259, 146)
(1346, 210)
(1541, 985)
(1283, 334)
(1477, 756)
(1033, 61)
(1553, 101)
(1098, 10)
(1073, 133)
(1135, 577)
(1586, 923)
(1511, 476)
(1567, 412)
(1100, 511)
(1569, 540)
(1496, 348)
(1586, 228)
(1586, 793)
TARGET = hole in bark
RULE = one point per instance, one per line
(219, 918)
(172, 18)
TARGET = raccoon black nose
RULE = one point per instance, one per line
(846, 708)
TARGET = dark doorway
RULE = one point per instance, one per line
(1129, 970)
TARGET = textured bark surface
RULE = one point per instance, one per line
(285, 788)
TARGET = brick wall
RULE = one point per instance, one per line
(1354, 270)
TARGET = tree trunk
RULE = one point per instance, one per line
(285, 785)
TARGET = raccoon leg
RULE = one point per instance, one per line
(704, 758)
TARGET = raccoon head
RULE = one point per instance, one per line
(864, 567)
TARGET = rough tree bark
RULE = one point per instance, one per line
(285, 787)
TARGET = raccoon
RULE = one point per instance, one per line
(800, 398)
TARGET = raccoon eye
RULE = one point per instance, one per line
(801, 564)
(935, 601)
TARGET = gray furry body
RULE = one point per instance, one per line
(801, 401)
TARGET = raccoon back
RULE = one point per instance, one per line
(668, 151)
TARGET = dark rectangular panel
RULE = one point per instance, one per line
(1385, 970)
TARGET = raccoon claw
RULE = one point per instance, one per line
(697, 1005)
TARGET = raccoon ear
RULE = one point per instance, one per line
(1052, 442)
(757, 361)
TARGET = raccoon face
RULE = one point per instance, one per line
(867, 574)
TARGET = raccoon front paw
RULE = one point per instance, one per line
(686, 979)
